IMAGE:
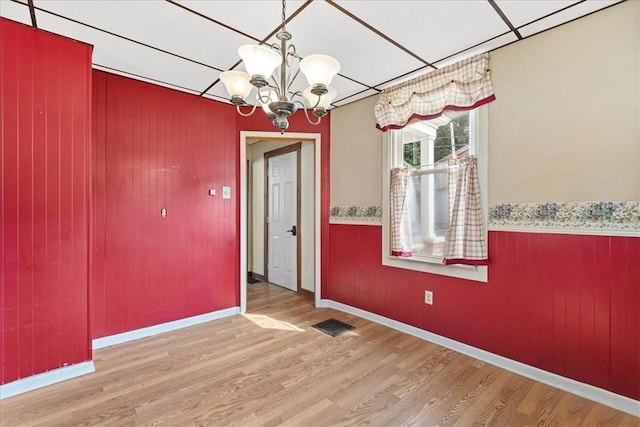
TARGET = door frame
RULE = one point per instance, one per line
(242, 165)
(297, 148)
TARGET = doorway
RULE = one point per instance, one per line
(311, 144)
(282, 216)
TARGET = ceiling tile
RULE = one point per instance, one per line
(145, 79)
(257, 18)
(219, 92)
(357, 96)
(523, 12)
(149, 21)
(363, 55)
(345, 87)
(431, 29)
(185, 43)
(116, 53)
(15, 12)
(580, 9)
(215, 97)
(482, 48)
(406, 77)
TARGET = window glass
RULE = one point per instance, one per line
(425, 148)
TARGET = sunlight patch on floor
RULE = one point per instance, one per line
(267, 322)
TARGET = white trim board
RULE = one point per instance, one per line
(45, 379)
(354, 222)
(163, 327)
(596, 394)
(293, 137)
(566, 230)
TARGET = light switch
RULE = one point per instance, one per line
(226, 192)
(212, 191)
(163, 212)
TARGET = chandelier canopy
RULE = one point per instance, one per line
(276, 98)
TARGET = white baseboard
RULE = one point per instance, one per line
(47, 378)
(605, 397)
(163, 327)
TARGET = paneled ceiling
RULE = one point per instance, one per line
(186, 44)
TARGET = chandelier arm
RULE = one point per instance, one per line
(246, 114)
(291, 52)
(317, 102)
(278, 110)
(264, 99)
(292, 79)
(275, 85)
(317, 122)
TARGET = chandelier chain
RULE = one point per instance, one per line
(283, 14)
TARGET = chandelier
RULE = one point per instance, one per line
(276, 98)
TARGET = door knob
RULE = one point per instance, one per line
(293, 231)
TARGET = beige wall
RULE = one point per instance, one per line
(255, 258)
(564, 127)
(356, 155)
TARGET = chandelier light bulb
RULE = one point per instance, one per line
(259, 60)
(325, 99)
(319, 69)
(237, 85)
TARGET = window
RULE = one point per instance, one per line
(425, 148)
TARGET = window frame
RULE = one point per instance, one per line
(434, 265)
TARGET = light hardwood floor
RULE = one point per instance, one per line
(270, 368)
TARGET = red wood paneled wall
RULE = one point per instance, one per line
(45, 89)
(568, 304)
(157, 148)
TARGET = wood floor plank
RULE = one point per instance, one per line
(271, 368)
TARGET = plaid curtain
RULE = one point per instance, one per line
(466, 239)
(400, 220)
(461, 86)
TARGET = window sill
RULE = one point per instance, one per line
(434, 266)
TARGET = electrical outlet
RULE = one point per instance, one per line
(428, 297)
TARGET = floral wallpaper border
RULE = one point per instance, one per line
(356, 214)
(595, 217)
(577, 216)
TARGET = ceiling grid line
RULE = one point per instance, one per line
(515, 31)
(32, 13)
(147, 79)
(263, 41)
(119, 36)
(379, 33)
(505, 19)
(379, 42)
(208, 18)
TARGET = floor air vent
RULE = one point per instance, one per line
(333, 327)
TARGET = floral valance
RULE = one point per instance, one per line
(464, 85)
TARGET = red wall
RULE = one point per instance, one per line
(45, 89)
(567, 304)
(157, 148)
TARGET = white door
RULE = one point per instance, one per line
(282, 264)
